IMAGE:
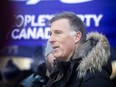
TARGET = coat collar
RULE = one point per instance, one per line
(95, 53)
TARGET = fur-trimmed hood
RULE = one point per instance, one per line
(95, 53)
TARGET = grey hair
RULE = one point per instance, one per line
(74, 21)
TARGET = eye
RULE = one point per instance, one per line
(58, 32)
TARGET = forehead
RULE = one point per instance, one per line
(60, 24)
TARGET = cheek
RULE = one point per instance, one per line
(68, 44)
(68, 41)
(65, 43)
(62, 44)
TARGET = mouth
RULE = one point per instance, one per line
(55, 47)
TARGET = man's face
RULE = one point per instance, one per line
(61, 39)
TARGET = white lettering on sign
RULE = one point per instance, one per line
(91, 17)
(36, 27)
(33, 20)
(30, 33)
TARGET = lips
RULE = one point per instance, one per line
(55, 47)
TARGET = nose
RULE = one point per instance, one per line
(51, 39)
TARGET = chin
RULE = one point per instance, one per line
(57, 54)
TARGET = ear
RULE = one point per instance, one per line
(77, 37)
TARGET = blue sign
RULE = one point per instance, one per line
(31, 18)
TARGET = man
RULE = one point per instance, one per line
(80, 61)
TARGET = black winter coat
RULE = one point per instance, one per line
(88, 67)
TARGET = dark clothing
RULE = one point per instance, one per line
(38, 79)
(66, 75)
(88, 67)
